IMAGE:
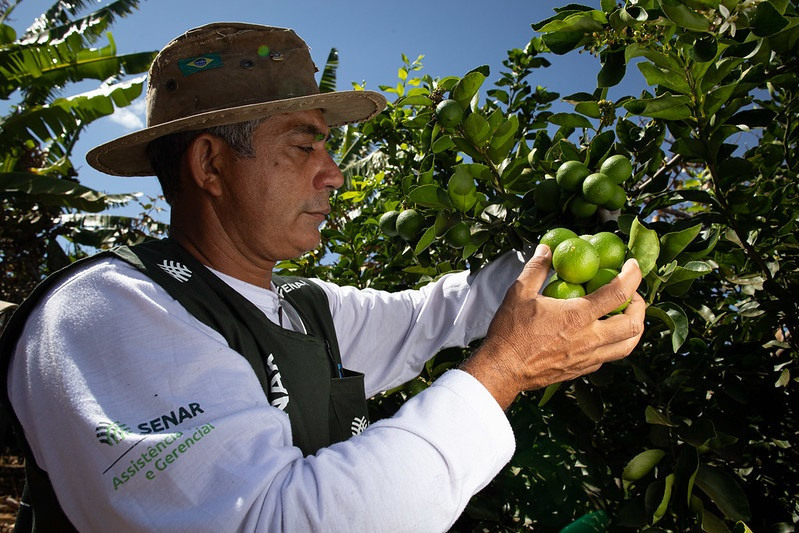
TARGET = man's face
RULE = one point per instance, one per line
(273, 204)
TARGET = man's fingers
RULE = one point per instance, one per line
(610, 297)
(535, 272)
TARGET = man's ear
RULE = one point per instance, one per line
(204, 160)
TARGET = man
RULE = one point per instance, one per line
(180, 386)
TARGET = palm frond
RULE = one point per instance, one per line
(57, 21)
(327, 83)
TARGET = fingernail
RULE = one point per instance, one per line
(541, 250)
(631, 261)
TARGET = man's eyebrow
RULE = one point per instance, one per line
(309, 129)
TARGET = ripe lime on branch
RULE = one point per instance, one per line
(409, 223)
(587, 188)
(570, 175)
(575, 260)
(388, 223)
(449, 113)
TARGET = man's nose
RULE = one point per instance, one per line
(329, 176)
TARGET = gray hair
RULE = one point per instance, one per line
(166, 152)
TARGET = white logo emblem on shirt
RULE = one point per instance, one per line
(278, 395)
(178, 271)
(359, 423)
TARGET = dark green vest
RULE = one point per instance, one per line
(301, 373)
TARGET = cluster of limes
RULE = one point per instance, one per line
(589, 190)
(582, 263)
(408, 223)
(449, 225)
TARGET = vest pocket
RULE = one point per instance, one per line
(348, 411)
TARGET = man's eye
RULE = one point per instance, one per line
(306, 149)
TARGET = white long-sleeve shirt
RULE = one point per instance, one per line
(145, 419)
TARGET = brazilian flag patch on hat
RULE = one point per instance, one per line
(192, 65)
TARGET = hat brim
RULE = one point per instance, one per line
(127, 155)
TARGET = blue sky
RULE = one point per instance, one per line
(371, 37)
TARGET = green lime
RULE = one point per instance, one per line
(597, 188)
(611, 249)
(575, 260)
(388, 223)
(581, 208)
(409, 222)
(563, 290)
(458, 235)
(603, 276)
(617, 199)
(617, 167)
(547, 196)
(570, 175)
(449, 113)
(555, 236)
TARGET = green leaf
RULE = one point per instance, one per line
(442, 144)
(642, 464)
(431, 195)
(683, 16)
(674, 318)
(718, 97)
(686, 471)
(665, 106)
(570, 120)
(584, 21)
(613, 69)
(563, 42)
(633, 15)
(655, 417)
(48, 190)
(667, 78)
(672, 243)
(549, 392)
(662, 60)
(416, 99)
(599, 147)
(476, 128)
(467, 87)
(503, 139)
(327, 83)
(664, 502)
(681, 278)
(644, 246)
(425, 240)
(766, 20)
(724, 491)
(589, 109)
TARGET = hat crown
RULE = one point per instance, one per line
(227, 65)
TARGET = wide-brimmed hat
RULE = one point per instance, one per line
(224, 73)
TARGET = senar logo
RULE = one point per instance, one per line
(111, 432)
(170, 419)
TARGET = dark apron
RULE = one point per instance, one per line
(301, 373)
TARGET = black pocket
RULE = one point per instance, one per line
(348, 411)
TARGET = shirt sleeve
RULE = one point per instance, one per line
(389, 336)
(145, 420)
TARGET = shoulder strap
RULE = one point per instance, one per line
(313, 306)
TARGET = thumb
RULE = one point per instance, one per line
(535, 271)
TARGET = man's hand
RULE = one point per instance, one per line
(534, 341)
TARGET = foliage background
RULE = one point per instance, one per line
(696, 429)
